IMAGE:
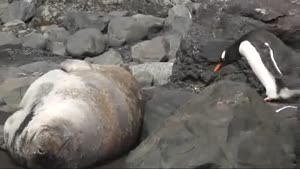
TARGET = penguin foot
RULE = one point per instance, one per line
(268, 99)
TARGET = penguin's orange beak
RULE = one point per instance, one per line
(218, 67)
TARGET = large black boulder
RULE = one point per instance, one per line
(227, 125)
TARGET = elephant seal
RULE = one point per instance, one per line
(75, 117)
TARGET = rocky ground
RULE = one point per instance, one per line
(193, 117)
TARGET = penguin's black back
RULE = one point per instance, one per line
(283, 55)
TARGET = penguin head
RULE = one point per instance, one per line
(228, 56)
(222, 61)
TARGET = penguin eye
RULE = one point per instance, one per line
(223, 55)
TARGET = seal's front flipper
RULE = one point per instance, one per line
(72, 65)
(2, 144)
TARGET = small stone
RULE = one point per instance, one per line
(47, 13)
(85, 43)
(16, 22)
(35, 40)
(161, 71)
(110, 57)
(56, 34)
(154, 50)
(125, 30)
(174, 41)
(113, 14)
(57, 48)
(7, 38)
(13, 26)
(48, 27)
(149, 21)
(79, 20)
(18, 10)
(146, 79)
(179, 19)
(25, 32)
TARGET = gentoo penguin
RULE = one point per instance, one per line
(274, 64)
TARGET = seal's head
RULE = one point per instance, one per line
(47, 148)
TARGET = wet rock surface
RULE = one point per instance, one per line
(193, 116)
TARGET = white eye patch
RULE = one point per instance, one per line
(223, 55)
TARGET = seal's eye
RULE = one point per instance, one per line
(40, 151)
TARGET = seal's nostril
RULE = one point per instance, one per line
(41, 155)
(41, 151)
(43, 159)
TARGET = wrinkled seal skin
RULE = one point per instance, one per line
(75, 117)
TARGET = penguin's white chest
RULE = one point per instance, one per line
(263, 74)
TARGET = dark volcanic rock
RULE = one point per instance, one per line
(86, 42)
(161, 71)
(79, 20)
(179, 19)
(18, 10)
(288, 29)
(18, 56)
(154, 50)
(125, 30)
(151, 22)
(35, 40)
(109, 57)
(227, 125)
(161, 104)
(8, 39)
(145, 79)
(55, 33)
(147, 7)
(248, 15)
(57, 48)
